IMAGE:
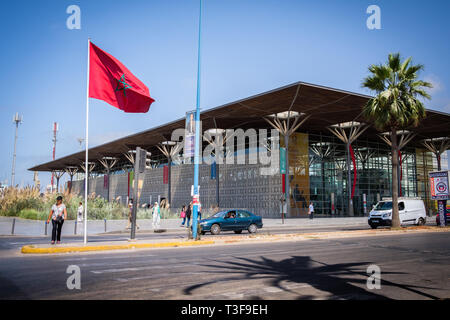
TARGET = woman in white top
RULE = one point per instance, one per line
(156, 216)
(58, 214)
(80, 212)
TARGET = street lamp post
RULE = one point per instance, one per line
(195, 200)
(17, 119)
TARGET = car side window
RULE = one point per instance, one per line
(243, 214)
(401, 206)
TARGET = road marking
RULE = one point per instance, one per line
(153, 276)
(143, 268)
(104, 258)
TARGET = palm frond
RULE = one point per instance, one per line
(398, 88)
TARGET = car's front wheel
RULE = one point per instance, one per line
(252, 228)
(420, 222)
(215, 229)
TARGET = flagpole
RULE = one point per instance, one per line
(197, 134)
(86, 176)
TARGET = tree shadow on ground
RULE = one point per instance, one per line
(342, 280)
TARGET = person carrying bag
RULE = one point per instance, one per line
(58, 214)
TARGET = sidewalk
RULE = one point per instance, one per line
(37, 228)
(220, 240)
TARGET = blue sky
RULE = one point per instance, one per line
(249, 46)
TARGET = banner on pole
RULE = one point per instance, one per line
(282, 160)
(165, 175)
(189, 138)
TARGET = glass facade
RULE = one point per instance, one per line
(328, 174)
(318, 172)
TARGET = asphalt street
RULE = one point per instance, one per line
(16, 242)
(413, 266)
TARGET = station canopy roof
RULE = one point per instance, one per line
(327, 106)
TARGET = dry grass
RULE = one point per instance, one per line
(30, 203)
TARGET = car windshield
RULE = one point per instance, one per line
(219, 214)
(384, 205)
(387, 205)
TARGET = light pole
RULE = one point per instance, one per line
(195, 199)
(17, 119)
(55, 130)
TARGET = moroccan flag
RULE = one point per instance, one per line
(112, 82)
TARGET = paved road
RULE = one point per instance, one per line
(16, 242)
(413, 266)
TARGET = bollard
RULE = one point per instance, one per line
(46, 227)
(13, 225)
(105, 225)
(75, 228)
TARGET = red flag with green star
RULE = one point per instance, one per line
(112, 82)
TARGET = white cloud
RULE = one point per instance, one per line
(435, 81)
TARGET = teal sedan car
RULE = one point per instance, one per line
(231, 220)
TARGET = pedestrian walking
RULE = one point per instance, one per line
(80, 212)
(311, 210)
(188, 214)
(199, 213)
(130, 215)
(156, 216)
(58, 214)
(183, 215)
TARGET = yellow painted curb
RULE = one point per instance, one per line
(33, 249)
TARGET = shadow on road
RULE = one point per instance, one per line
(340, 280)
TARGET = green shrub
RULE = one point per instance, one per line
(32, 214)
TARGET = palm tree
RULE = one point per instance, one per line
(396, 106)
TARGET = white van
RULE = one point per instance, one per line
(411, 211)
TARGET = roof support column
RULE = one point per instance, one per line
(71, 171)
(283, 124)
(348, 132)
(169, 149)
(108, 163)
